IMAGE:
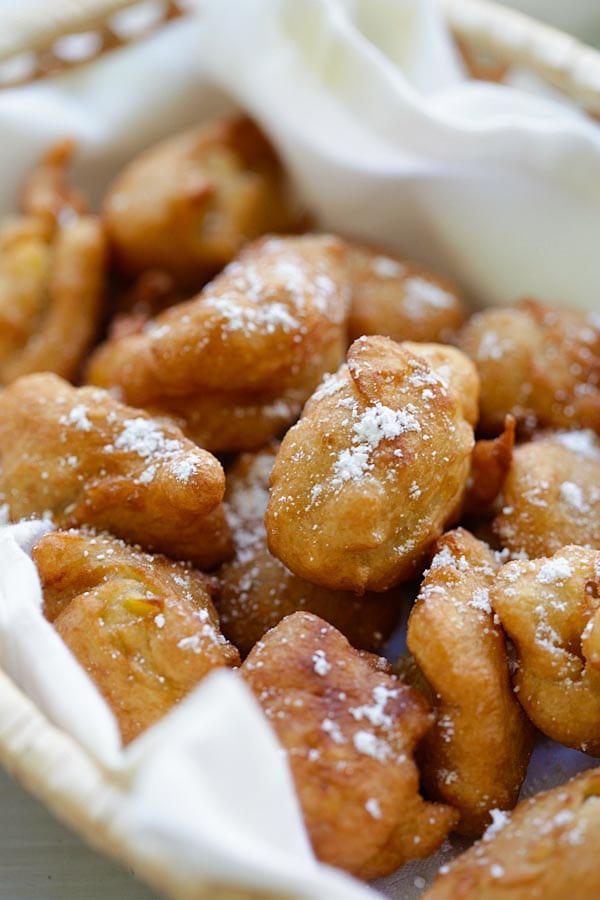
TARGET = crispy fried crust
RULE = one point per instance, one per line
(537, 363)
(82, 457)
(375, 468)
(475, 757)
(46, 195)
(257, 591)
(235, 364)
(549, 609)
(143, 627)
(400, 299)
(490, 464)
(349, 730)
(188, 204)
(546, 849)
(550, 497)
(52, 274)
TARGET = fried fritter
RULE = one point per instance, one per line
(47, 196)
(188, 204)
(257, 591)
(374, 469)
(79, 456)
(538, 363)
(551, 496)
(52, 264)
(143, 627)
(235, 364)
(150, 294)
(400, 299)
(456, 371)
(490, 464)
(549, 609)
(475, 757)
(545, 849)
(349, 731)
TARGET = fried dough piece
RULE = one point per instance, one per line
(490, 464)
(456, 372)
(149, 295)
(73, 296)
(52, 270)
(549, 609)
(475, 757)
(81, 457)
(372, 472)
(143, 627)
(349, 730)
(257, 591)
(235, 364)
(546, 849)
(188, 204)
(551, 496)
(400, 299)
(538, 363)
(46, 194)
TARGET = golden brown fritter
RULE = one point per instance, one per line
(372, 472)
(551, 496)
(188, 204)
(456, 371)
(350, 731)
(46, 195)
(52, 263)
(235, 364)
(490, 464)
(400, 299)
(143, 627)
(134, 305)
(257, 591)
(538, 363)
(545, 849)
(79, 456)
(475, 757)
(549, 609)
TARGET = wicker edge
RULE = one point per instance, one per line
(53, 767)
(35, 26)
(513, 38)
(509, 37)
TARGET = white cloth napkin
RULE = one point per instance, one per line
(385, 139)
(498, 188)
(208, 788)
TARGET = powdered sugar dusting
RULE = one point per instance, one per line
(367, 743)
(373, 808)
(375, 712)
(375, 424)
(584, 442)
(146, 439)
(554, 571)
(77, 418)
(419, 293)
(320, 664)
(500, 820)
(386, 267)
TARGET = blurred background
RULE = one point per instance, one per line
(580, 17)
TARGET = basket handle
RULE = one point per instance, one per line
(36, 26)
(512, 38)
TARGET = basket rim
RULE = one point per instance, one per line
(510, 36)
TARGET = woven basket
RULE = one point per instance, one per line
(493, 40)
